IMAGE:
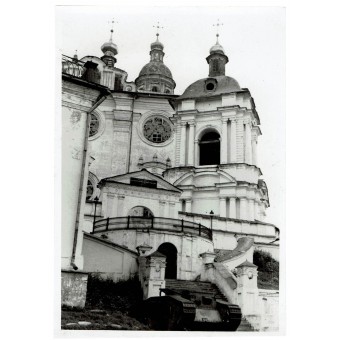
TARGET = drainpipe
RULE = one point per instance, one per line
(131, 131)
(99, 100)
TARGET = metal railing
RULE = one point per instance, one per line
(72, 66)
(152, 223)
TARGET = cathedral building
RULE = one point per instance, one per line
(145, 170)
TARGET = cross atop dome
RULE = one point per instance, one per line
(217, 25)
(157, 29)
(112, 22)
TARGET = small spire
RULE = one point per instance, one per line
(157, 29)
(217, 29)
(75, 57)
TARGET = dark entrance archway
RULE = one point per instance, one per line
(170, 251)
(210, 149)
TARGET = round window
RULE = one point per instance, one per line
(210, 86)
(157, 129)
(94, 125)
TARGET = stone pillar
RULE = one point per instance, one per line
(188, 205)
(223, 207)
(208, 269)
(73, 288)
(243, 208)
(247, 149)
(254, 150)
(120, 205)
(247, 288)
(224, 141)
(191, 150)
(155, 273)
(182, 148)
(232, 207)
(233, 145)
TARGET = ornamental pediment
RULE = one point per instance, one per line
(141, 178)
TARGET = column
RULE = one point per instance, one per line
(256, 210)
(251, 210)
(171, 209)
(233, 141)
(105, 206)
(232, 207)
(254, 149)
(120, 212)
(196, 150)
(243, 208)
(223, 207)
(224, 140)
(114, 208)
(247, 149)
(188, 205)
(183, 144)
(162, 209)
(191, 143)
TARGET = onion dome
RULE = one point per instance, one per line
(109, 48)
(217, 48)
(157, 45)
(155, 76)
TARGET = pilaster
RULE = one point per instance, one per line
(233, 144)
(191, 153)
(224, 141)
(182, 148)
(232, 207)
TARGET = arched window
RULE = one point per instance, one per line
(154, 89)
(210, 148)
(140, 211)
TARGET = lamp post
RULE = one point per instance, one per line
(95, 212)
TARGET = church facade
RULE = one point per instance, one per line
(146, 170)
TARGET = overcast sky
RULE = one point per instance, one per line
(253, 39)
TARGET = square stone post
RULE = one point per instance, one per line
(155, 272)
(247, 288)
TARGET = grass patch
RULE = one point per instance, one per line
(108, 304)
(106, 320)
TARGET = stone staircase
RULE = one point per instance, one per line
(245, 326)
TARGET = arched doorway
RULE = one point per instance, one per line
(140, 211)
(210, 148)
(170, 251)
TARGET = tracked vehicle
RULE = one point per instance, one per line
(191, 305)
